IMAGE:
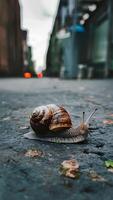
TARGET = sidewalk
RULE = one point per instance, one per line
(23, 177)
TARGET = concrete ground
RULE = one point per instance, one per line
(23, 177)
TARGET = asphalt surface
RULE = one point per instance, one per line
(31, 178)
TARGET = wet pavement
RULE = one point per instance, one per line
(31, 178)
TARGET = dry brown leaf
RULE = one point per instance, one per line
(70, 168)
(33, 153)
(96, 177)
(108, 121)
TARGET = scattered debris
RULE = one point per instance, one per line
(24, 127)
(33, 153)
(70, 168)
(96, 177)
(5, 118)
(109, 163)
(108, 121)
(110, 170)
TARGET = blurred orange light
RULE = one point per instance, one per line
(40, 75)
(27, 75)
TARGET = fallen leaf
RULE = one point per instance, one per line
(70, 168)
(96, 177)
(108, 121)
(109, 163)
(33, 153)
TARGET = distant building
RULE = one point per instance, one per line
(28, 64)
(24, 50)
(10, 39)
(81, 43)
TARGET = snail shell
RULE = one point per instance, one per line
(50, 117)
(53, 123)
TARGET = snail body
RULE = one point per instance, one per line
(53, 123)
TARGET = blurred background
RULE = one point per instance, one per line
(61, 38)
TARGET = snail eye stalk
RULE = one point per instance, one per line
(90, 116)
(83, 117)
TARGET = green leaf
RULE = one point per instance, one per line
(109, 163)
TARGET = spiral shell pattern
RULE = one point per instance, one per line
(50, 118)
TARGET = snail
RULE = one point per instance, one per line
(53, 123)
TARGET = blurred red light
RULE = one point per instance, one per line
(40, 75)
